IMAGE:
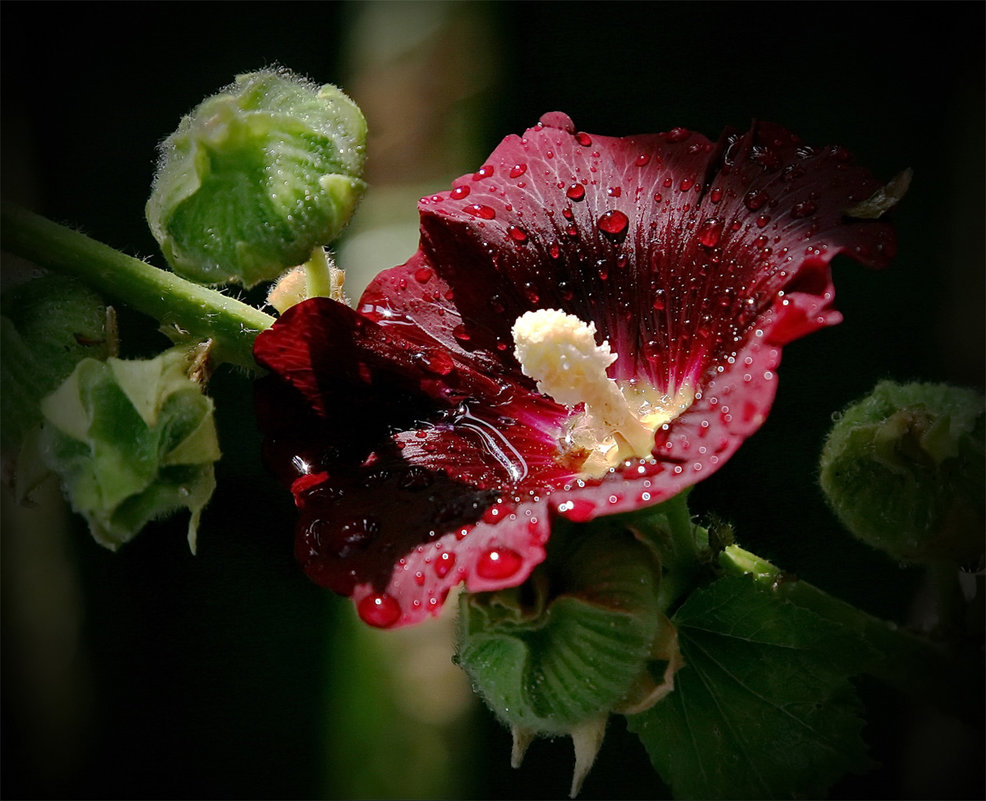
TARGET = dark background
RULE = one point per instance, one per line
(209, 676)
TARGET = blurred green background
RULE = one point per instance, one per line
(151, 673)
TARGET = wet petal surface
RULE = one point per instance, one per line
(419, 453)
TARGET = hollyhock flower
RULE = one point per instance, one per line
(589, 326)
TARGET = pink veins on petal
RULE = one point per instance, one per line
(419, 454)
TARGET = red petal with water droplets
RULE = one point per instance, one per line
(697, 261)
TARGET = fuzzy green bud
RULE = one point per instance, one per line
(257, 177)
(571, 645)
(131, 441)
(903, 469)
(48, 325)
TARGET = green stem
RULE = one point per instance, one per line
(318, 274)
(201, 312)
(682, 561)
(905, 660)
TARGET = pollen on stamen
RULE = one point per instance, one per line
(559, 351)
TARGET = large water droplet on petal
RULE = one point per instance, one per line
(756, 199)
(444, 563)
(380, 610)
(483, 212)
(614, 224)
(677, 135)
(438, 362)
(517, 234)
(578, 510)
(575, 192)
(459, 192)
(499, 563)
(709, 232)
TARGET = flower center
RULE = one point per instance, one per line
(618, 422)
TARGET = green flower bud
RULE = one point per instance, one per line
(131, 441)
(256, 177)
(48, 325)
(903, 469)
(559, 653)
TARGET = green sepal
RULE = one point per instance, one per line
(48, 325)
(904, 470)
(763, 707)
(131, 441)
(568, 645)
(257, 177)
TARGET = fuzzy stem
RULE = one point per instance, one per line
(318, 274)
(682, 554)
(201, 312)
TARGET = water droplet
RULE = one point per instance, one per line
(461, 333)
(762, 220)
(380, 610)
(643, 160)
(423, 275)
(518, 170)
(715, 195)
(614, 224)
(517, 234)
(583, 139)
(755, 199)
(709, 232)
(444, 564)
(686, 184)
(677, 135)
(483, 212)
(499, 563)
(575, 192)
(803, 209)
(438, 362)
(578, 510)
(554, 250)
(459, 193)
(486, 171)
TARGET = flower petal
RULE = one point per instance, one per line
(696, 260)
(400, 457)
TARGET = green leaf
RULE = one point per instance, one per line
(131, 441)
(763, 707)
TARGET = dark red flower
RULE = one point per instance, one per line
(419, 453)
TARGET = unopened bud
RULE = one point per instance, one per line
(904, 471)
(131, 441)
(256, 177)
(561, 652)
